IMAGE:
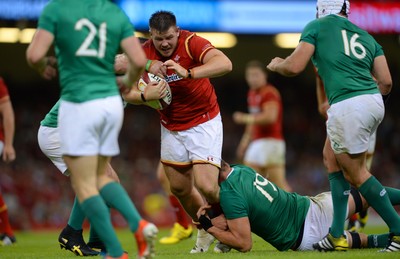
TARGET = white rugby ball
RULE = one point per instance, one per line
(155, 104)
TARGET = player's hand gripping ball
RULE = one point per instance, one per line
(155, 104)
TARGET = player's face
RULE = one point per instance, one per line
(255, 77)
(165, 42)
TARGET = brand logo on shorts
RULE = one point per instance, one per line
(382, 193)
(210, 159)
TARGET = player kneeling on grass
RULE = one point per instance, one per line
(251, 203)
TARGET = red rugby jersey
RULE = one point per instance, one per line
(256, 99)
(194, 101)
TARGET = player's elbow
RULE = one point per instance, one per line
(31, 58)
(225, 66)
(385, 86)
(245, 247)
(293, 70)
(228, 66)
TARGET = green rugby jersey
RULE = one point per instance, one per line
(87, 36)
(51, 118)
(274, 214)
(344, 56)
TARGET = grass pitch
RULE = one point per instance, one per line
(44, 244)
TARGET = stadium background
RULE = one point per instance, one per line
(38, 196)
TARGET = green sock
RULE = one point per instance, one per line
(93, 236)
(116, 197)
(378, 240)
(394, 195)
(340, 190)
(378, 198)
(77, 216)
(99, 218)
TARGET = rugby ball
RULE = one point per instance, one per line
(155, 104)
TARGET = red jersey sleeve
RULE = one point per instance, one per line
(198, 47)
(256, 101)
(4, 96)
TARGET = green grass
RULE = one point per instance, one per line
(43, 244)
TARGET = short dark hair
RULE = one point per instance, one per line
(162, 20)
(343, 11)
(256, 64)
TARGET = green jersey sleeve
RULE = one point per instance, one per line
(47, 19)
(310, 33)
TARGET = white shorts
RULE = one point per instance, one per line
(318, 220)
(351, 123)
(90, 128)
(265, 152)
(199, 144)
(50, 144)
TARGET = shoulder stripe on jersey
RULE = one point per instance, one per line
(187, 45)
(204, 52)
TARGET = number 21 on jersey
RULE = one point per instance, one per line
(84, 49)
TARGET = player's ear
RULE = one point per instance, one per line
(178, 30)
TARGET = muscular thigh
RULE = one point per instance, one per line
(199, 144)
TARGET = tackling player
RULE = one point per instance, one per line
(251, 203)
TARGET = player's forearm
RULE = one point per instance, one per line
(228, 238)
(133, 97)
(120, 64)
(8, 124)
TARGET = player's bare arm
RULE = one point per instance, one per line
(153, 91)
(121, 64)
(382, 75)
(235, 233)
(269, 114)
(295, 63)
(215, 64)
(136, 58)
(7, 113)
(323, 104)
(158, 68)
(36, 54)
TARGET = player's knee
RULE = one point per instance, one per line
(209, 192)
(181, 191)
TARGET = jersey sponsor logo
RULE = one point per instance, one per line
(172, 78)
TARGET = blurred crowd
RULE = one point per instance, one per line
(39, 196)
